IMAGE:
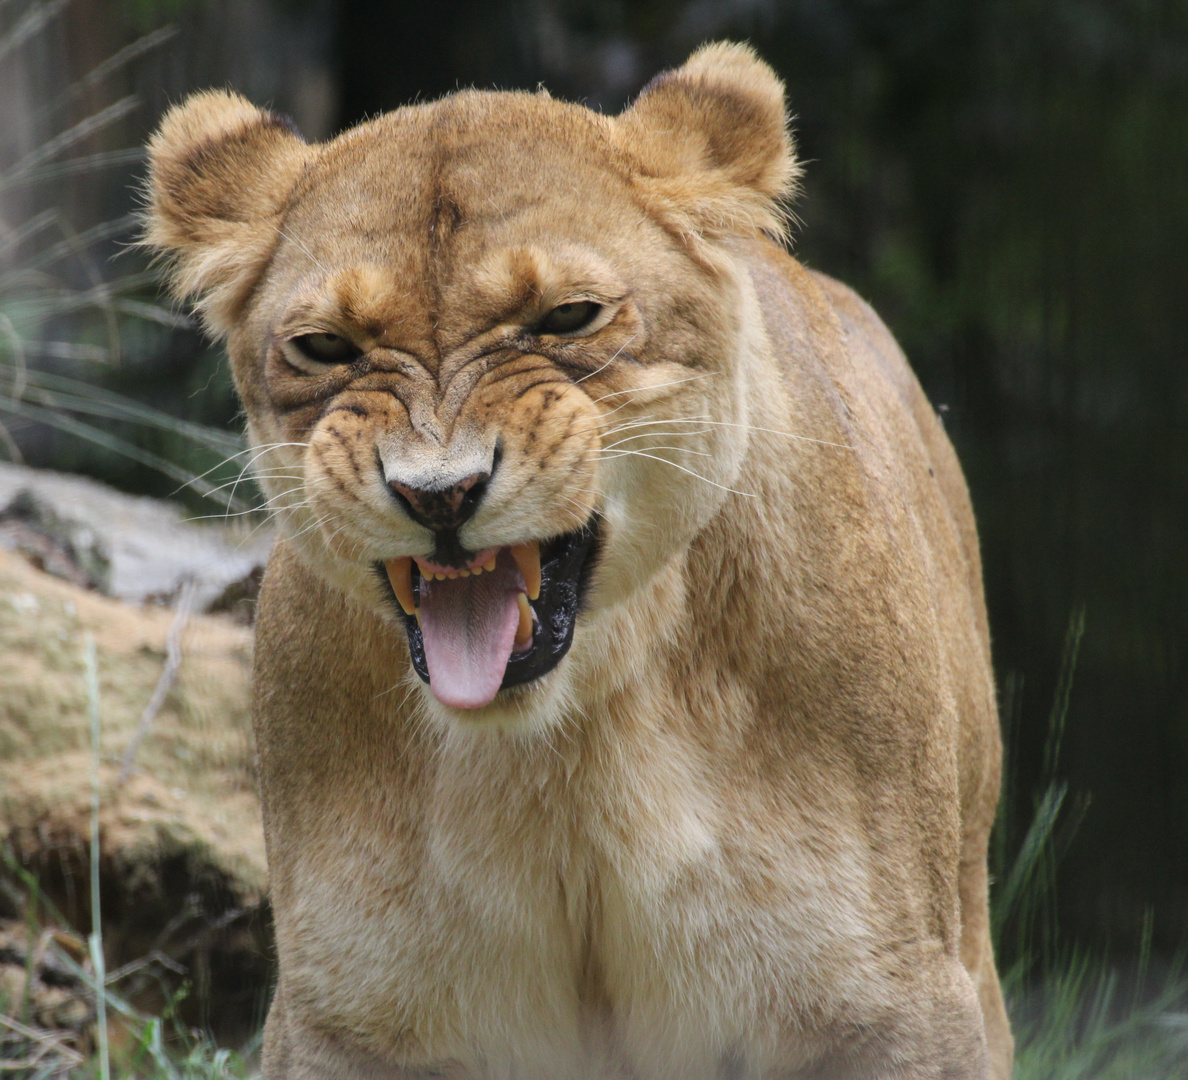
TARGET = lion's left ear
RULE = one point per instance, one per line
(712, 145)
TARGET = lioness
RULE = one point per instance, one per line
(623, 690)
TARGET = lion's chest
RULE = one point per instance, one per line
(541, 933)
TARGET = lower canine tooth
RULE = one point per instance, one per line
(524, 630)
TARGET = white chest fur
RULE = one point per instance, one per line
(552, 917)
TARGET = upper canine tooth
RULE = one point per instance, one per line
(400, 575)
(527, 558)
(490, 563)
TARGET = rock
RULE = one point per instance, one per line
(133, 548)
(181, 843)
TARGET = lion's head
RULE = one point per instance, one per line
(492, 349)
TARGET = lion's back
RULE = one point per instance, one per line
(829, 333)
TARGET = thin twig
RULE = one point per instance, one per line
(173, 658)
(46, 1041)
(155, 957)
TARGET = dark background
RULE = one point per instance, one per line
(1005, 180)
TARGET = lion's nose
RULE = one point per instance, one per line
(447, 507)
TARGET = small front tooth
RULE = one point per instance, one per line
(475, 570)
(400, 575)
(464, 573)
(490, 563)
(524, 630)
(527, 558)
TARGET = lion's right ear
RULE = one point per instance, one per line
(220, 173)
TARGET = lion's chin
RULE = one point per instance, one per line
(524, 710)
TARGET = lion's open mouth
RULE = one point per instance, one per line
(502, 617)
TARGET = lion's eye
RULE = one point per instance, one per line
(326, 348)
(569, 318)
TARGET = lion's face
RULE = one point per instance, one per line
(494, 369)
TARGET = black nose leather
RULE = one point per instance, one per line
(445, 507)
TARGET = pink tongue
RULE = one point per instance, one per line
(469, 627)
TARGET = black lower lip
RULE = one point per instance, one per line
(566, 565)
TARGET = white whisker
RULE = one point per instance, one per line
(652, 386)
(618, 352)
(298, 244)
(257, 450)
(665, 461)
(271, 476)
(267, 509)
(651, 435)
(611, 452)
(769, 431)
(708, 422)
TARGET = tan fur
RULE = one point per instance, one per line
(741, 830)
